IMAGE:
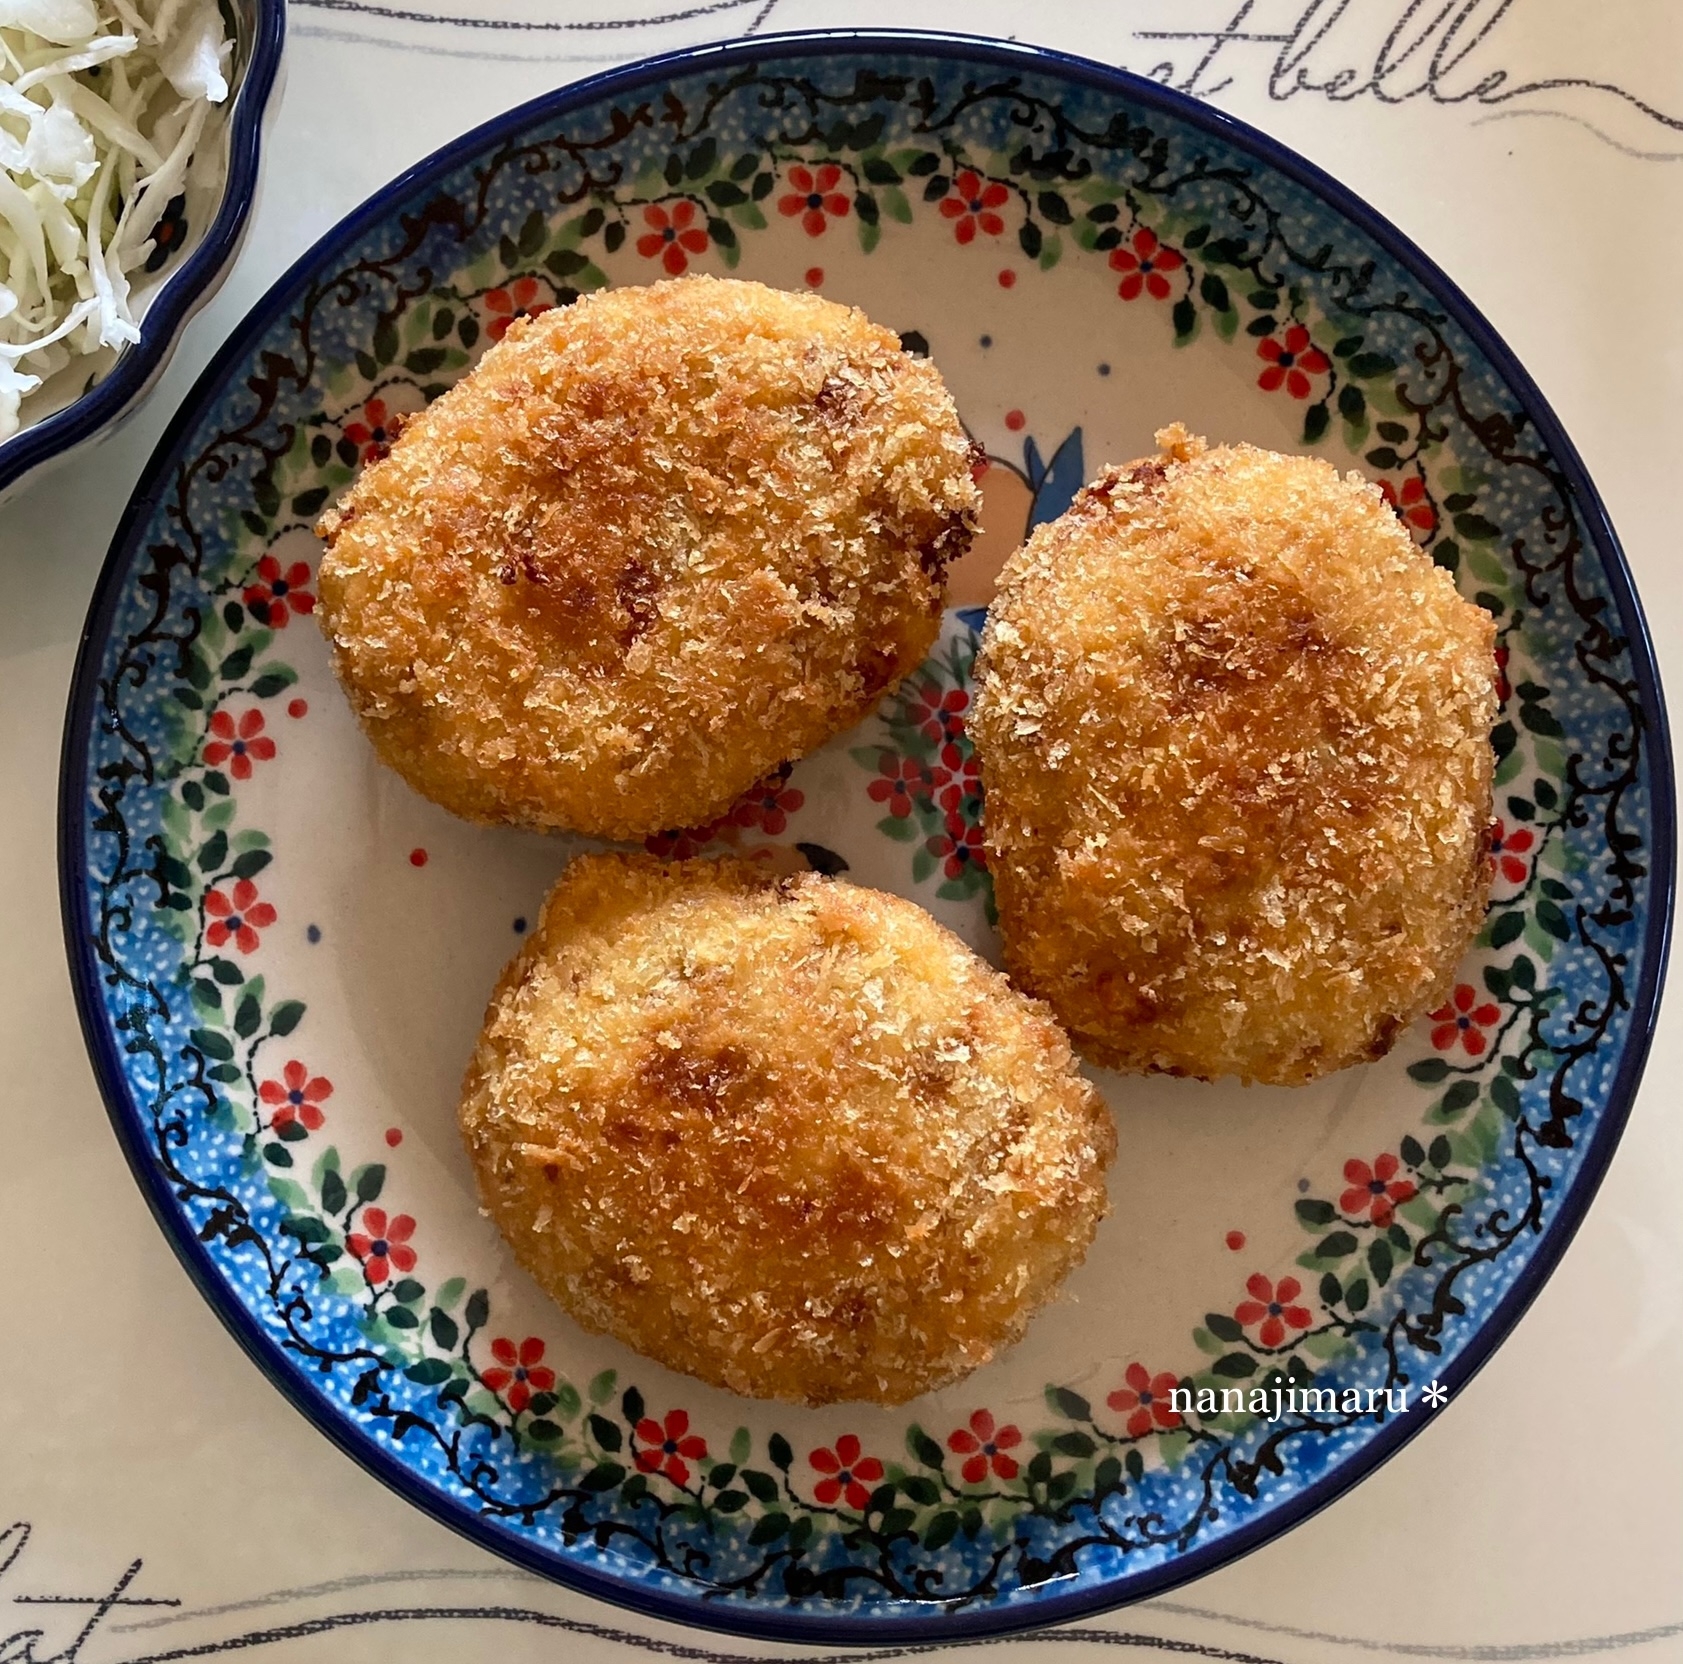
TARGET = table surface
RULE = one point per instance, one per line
(169, 1504)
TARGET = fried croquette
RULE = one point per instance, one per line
(789, 1136)
(1234, 729)
(658, 543)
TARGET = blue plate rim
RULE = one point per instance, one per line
(787, 1625)
(167, 316)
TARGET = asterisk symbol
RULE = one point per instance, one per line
(1436, 1395)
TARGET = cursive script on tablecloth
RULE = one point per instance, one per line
(1392, 52)
(1439, 50)
(28, 1643)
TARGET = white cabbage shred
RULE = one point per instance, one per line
(101, 105)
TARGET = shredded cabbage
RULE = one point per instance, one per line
(101, 105)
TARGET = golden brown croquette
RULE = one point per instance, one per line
(786, 1135)
(1234, 729)
(657, 543)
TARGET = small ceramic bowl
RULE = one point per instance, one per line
(220, 188)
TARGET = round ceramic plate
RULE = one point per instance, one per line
(282, 954)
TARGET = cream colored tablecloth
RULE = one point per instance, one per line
(1541, 1514)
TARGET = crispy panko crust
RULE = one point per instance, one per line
(1234, 729)
(786, 1135)
(657, 543)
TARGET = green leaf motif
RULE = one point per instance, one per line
(1475, 528)
(762, 1485)
(211, 1043)
(941, 1530)
(1458, 1097)
(1505, 928)
(251, 863)
(767, 1529)
(1379, 1260)
(1369, 365)
(922, 1447)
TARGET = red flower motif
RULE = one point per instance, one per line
(971, 204)
(1142, 266)
(1271, 1305)
(669, 1449)
(684, 843)
(519, 1373)
(769, 804)
(957, 782)
(239, 744)
(670, 235)
(846, 1473)
(1503, 689)
(383, 1244)
(960, 848)
(296, 1096)
(901, 782)
(519, 299)
(814, 197)
(1374, 1191)
(238, 917)
(1507, 847)
(1145, 1400)
(275, 592)
(1412, 504)
(939, 715)
(374, 434)
(1462, 1019)
(1290, 363)
(985, 1446)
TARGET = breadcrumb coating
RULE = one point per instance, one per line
(789, 1136)
(657, 543)
(1234, 729)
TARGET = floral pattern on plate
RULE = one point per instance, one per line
(204, 847)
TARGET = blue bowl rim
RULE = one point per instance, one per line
(169, 312)
(781, 1624)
